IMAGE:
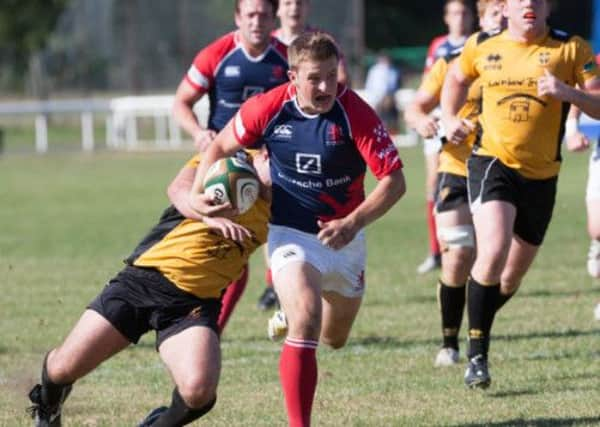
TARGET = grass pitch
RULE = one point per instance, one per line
(68, 220)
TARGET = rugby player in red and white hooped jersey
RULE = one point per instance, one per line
(233, 68)
(321, 137)
(458, 17)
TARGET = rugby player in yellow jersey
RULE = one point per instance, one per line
(172, 284)
(452, 215)
(528, 75)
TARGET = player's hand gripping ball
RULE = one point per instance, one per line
(233, 180)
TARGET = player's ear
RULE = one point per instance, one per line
(292, 75)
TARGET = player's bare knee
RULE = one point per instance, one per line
(456, 265)
(304, 329)
(60, 368)
(509, 283)
(197, 392)
(304, 321)
(335, 343)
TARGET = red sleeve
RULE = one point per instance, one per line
(280, 47)
(370, 136)
(430, 59)
(253, 117)
(202, 71)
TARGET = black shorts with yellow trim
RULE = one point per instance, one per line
(450, 192)
(138, 300)
(489, 179)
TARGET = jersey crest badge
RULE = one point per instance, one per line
(335, 135)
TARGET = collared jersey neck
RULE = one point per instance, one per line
(240, 43)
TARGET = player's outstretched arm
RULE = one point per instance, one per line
(587, 100)
(185, 98)
(576, 140)
(339, 232)
(225, 144)
(417, 114)
(454, 94)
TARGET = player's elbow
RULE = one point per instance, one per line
(172, 191)
(398, 184)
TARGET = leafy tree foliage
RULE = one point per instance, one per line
(25, 26)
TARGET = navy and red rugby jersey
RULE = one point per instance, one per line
(439, 48)
(318, 162)
(230, 75)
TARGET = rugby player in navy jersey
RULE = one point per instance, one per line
(321, 137)
(293, 16)
(230, 70)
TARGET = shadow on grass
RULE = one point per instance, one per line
(542, 293)
(569, 333)
(512, 393)
(390, 342)
(398, 342)
(536, 422)
(545, 293)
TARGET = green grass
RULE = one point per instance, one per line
(68, 220)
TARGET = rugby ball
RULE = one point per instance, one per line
(232, 180)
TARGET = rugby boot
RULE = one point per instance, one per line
(45, 415)
(477, 375)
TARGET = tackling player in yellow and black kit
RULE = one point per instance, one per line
(172, 284)
(527, 74)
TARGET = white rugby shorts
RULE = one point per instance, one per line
(343, 270)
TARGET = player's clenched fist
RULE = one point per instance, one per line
(458, 129)
(549, 85)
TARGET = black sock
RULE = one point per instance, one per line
(52, 393)
(179, 414)
(481, 308)
(452, 305)
(503, 299)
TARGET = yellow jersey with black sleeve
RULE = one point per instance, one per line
(453, 157)
(524, 130)
(193, 257)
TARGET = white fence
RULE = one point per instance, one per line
(122, 120)
(122, 116)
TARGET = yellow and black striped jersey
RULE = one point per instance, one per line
(519, 127)
(453, 157)
(193, 257)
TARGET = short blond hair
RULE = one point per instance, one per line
(312, 46)
(483, 4)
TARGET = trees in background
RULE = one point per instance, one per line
(24, 29)
(145, 45)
